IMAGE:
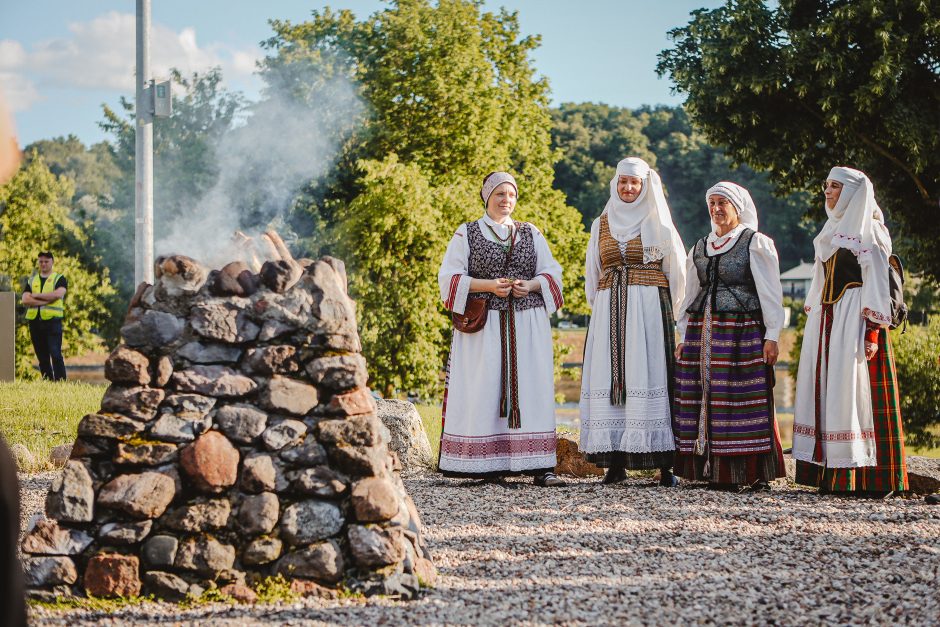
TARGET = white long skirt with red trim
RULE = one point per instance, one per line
(475, 439)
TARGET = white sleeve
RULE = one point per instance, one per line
(675, 268)
(765, 267)
(814, 294)
(692, 289)
(592, 264)
(453, 279)
(547, 273)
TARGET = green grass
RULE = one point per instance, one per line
(41, 414)
(431, 417)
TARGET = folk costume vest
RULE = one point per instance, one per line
(842, 272)
(726, 279)
(488, 261)
(55, 309)
(621, 266)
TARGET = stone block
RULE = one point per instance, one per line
(211, 462)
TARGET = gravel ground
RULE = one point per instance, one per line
(627, 554)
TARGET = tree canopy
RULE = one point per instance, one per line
(797, 86)
(592, 138)
(34, 217)
(450, 95)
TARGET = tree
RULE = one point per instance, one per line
(450, 94)
(592, 138)
(795, 87)
(400, 326)
(34, 216)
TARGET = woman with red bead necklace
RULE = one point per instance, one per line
(729, 323)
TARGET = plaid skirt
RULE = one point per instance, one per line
(890, 473)
(733, 438)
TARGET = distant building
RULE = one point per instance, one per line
(796, 280)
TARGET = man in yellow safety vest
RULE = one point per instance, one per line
(44, 296)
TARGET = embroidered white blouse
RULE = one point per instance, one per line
(765, 266)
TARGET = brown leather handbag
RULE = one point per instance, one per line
(473, 317)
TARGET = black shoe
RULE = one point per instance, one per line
(933, 499)
(549, 480)
(760, 486)
(615, 474)
(667, 479)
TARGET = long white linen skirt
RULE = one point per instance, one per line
(644, 423)
(475, 438)
(848, 429)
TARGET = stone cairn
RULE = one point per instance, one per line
(236, 442)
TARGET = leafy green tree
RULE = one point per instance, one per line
(796, 86)
(34, 216)
(92, 169)
(399, 322)
(450, 95)
(917, 358)
(592, 139)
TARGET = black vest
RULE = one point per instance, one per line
(726, 278)
(487, 260)
(842, 273)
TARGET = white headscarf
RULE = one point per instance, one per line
(648, 216)
(856, 222)
(740, 198)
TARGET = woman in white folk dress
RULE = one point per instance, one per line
(847, 433)
(634, 278)
(499, 401)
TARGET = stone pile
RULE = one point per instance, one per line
(237, 441)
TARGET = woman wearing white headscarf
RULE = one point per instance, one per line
(729, 323)
(499, 400)
(847, 433)
(634, 276)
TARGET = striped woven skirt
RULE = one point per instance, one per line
(890, 473)
(726, 428)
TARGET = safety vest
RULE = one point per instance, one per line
(56, 309)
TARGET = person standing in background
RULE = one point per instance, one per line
(44, 296)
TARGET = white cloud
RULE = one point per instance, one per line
(100, 55)
(19, 92)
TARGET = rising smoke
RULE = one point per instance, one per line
(283, 144)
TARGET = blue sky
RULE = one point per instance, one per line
(61, 60)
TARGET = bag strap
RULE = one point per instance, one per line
(512, 241)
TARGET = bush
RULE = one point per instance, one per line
(917, 357)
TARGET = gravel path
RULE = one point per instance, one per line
(592, 554)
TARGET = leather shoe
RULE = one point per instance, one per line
(667, 479)
(615, 474)
(549, 480)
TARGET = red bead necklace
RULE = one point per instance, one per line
(722, 245)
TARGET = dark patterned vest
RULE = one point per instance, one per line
(726, 278)
(842, 273)
(487, 260)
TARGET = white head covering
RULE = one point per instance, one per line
(856, 222)
(740, 198)
(493, 181)
(648, 216)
